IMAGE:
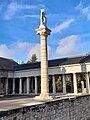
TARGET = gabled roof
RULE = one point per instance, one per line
(55, 62)
(7, 64)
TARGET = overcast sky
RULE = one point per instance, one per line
(69, 21)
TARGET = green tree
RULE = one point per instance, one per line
(22, 62)
(58, 83)
(33, 59)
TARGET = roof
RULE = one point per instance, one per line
(55, 62)
(7, 64)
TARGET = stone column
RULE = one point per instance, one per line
(6, 86)
(28, 87)
(35, 84)
(64, 84)
(20, 86)
(43, 32)
(13, 86)
(75, 83)
(87, 83)
(82, 84)
(54, 85)
(1, 88)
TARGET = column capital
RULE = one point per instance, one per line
(43, 31)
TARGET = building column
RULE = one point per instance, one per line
(13, 86)
(87, 83)
(64, 84)
(75, 83)
(28, 87)
(35, 84)
(6, 86)
(54, 85)
(82, 85)
(1, 88)
(20, 86)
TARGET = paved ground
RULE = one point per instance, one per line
(8, 103)
(13, 102)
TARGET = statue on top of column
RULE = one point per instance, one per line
(43, 18)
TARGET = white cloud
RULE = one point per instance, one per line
(84, 10)
(28, 49)
(14, 7)
(31, 16)
(24, 45)
(62, 26)
(34, 50)
(68, 46)
(20, 51)
(6, 52)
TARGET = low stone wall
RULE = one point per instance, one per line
(66, 109)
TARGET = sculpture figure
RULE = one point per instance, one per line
(43, 18)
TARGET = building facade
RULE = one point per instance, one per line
(65, 75)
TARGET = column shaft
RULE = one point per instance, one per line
(75, 83)
(28, 87)
(6, 86)
(87, 83)
(82, 83)
(64, 84)
(43, 32)
(54, 85)
(20, 86)
(44, 66)
(13, 86)
(35, 85)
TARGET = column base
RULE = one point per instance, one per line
(43, 97)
